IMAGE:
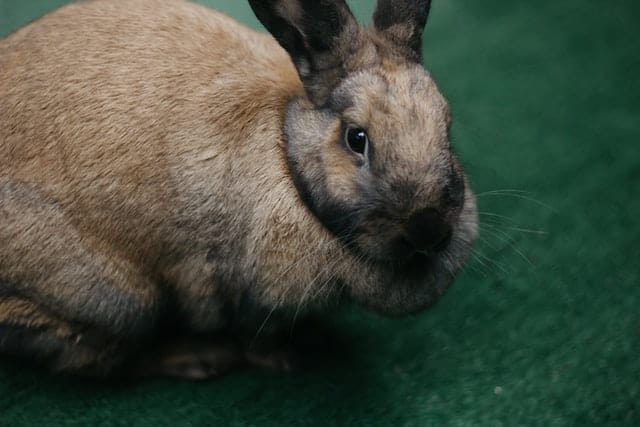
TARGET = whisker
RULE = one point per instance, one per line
(306, 291)
(488, 243)
(517, 195)
(526, 230)
(482, 268)
(495, 216)
(285, 294)
(483, 259)
(263, 325)
(496, 219)
(507, 239)
(504, 191)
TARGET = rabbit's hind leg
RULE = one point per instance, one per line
(68, 271)
(28, 331)
(65, 297)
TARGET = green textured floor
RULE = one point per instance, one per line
(542, 329)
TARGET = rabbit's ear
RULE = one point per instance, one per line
(318, 35)
(402, 22)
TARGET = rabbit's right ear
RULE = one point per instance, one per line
(402, 22)
(319, 35)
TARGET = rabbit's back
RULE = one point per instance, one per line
(134, 69)
(113, 108)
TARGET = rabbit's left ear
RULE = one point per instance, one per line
(402, 23)
(319, 35)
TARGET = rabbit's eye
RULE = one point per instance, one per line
(357, 140)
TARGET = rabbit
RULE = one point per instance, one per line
(176, 187)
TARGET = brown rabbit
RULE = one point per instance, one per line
(167, 172)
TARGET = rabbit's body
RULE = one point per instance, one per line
(140, 153)
(144, 174)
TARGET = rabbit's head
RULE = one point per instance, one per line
(368, 147)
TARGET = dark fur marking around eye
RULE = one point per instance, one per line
(336, 217)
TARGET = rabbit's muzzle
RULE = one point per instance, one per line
(427, 231)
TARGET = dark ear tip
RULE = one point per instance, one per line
(315, 34)
(392, 12)
(410, 16)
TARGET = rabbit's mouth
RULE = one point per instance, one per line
(400, 279)
(399, 252)
(389, 242)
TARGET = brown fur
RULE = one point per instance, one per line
(144, 169)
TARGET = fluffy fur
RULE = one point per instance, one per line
(160, 161)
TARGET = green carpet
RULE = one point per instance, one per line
(543, 327)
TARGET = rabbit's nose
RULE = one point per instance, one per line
(428, 231)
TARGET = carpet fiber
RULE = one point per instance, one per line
(542, 328)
